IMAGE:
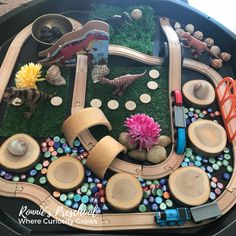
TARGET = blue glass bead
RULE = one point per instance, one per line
(226, 176)
(164, 188)
(89, 180)
(188, 121)
(76, 143)
(205, 161)
(154, 207)
(98, 210)
(95, 202)
(77, 198)
(75, 205)
(158, 200)
(209, 169)
(163, 181)
(145, 202)
(184, 164)
(91, 199)
(74, 150)
(88, 173)
(197, 163)
(104, 207)
(81, 149)
(143, 184)
(190, 114)
(33, 172)
(96, 180)
(68, 203)
(95, 189)
(220, 157)
(198, 158)
(193, 119)
(2, 173)
(64, 145)
(85, 199)
(104, 182)
(67, 150)
(209, 109)
(203, 168)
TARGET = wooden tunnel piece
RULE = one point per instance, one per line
(190, 185)
(207, 137)
(65, 173)
(124, 192)
(22, 162)
(102, 155)
(82, 120)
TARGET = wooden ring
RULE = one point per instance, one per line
(102, 155)
(82, 120)
(65, 173)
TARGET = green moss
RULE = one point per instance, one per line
(46, 120)
(137, 35)
(158, 108)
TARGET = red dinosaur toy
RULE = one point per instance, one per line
(197, 46)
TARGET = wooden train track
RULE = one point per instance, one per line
(49, 204)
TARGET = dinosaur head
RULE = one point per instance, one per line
(10, 94)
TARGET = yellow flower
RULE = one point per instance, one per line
(28, 75)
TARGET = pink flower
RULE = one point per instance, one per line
(143, 130)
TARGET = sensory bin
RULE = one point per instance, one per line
(150, 149)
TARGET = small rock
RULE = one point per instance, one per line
(209, 42)
(225, 56)
(125, 139)
(136, 14)
(215, 50)
(179, 32)
(198, 35)
(189, 28)
(177, 25)
(216, 63)
(157, 154)
(164, 141)
(138, 155)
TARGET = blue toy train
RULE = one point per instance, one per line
(172, 217)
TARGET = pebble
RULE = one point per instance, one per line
(154, 74)
(130, 105)
(96, 103)
(145, 98)
(113, 104)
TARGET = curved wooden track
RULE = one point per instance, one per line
(49, 204)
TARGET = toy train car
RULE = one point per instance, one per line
(179, 121)
(172, 217)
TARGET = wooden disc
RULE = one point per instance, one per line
(196, 99)
(123, 192)
(190, 185)
(145, 98)
(154, 74)
(65, 173)
(19, 163)
(56, 101)
(130, 105)
(113, 104)
(96, 103)
(208, 137)
(152, 85)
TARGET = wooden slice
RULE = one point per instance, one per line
(154, 74)
(123, 192)
(19, 163)
(96, 103)
(113, 104)
(199, 93)
(65, 173)
(207, 137)
(152, 85)
(190, 185)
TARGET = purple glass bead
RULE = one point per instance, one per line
(57, 145)
(95, 202)
(205, 161)
(75, 205)
(151, 199)
(220, 157)
(64, 145)
(226, 176)
(8, 176)
(154, 207)
(74, 150)
(81, 149)
(98, 210)
(188, 121)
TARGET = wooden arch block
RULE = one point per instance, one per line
(82, 120)
(102, 155)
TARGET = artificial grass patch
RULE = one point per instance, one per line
(137, 35)
(158, 108)
(46, 121)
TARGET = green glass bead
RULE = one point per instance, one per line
(197, 111)
(90, 207)
(83, 161)
(91, 185)
(84, 189)
(63, 197)
(63, 140)
(191, 109)
(142, 208)
(31, 180)
(229, 169)
(38, 166)
(146, 194)
(43, 180)
(226, 150)
(47, 154)
(162, 206)
(215, 167)
(60, 150)
(70, 195)
(89, 193)
(155, 182)
(225, 162)
(53, 158)
(16, 178)
(219, 163)
(159, 192)
(227, 156)
(188, 152)
(82, 207)
(154, 192)
(56, 139)
(212, 160)
(169, 203)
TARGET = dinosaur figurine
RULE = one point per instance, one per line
(197, 45)
(122, 82)
(30, 97)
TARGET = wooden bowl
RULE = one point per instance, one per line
(50, 20)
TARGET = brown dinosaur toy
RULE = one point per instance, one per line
(30, 97)
(197, 46)
(122, 82)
